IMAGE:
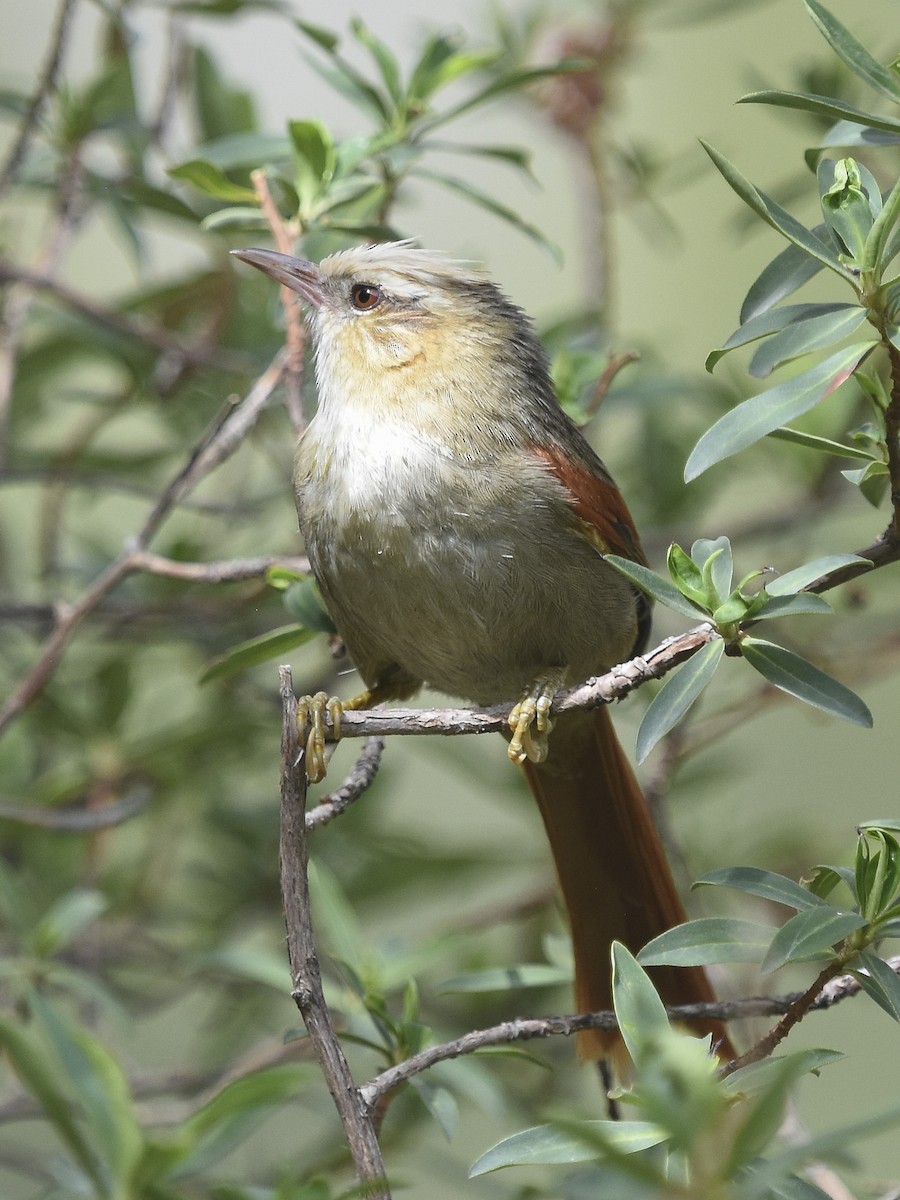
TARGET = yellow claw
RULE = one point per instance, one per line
(311, 712)
(530, 721)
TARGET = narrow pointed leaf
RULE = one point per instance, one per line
(640, 1013)
(854, 53)
(656, 586)
(257, 650)
(787, 272)
(759, 415)
(708, 940)
(802, 605)
(767, 884)
(773, 214)
(772, 321)
(805, 336)
(552, 1144)
(477, 196)
(212, 181)
(678, 692)
(823, 106)
(880, 982)
(824, 445)
(798, 677)
(387, 65)
(809, 936)
(801, 577)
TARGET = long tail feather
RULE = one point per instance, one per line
(612, 868)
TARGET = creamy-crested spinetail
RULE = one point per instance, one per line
(456, 521)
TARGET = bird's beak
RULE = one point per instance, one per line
(297, 274)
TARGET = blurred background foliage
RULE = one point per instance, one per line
(144, 981)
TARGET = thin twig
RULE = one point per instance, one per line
(603, 689)
(294, 329)
(614, 365)
(305, 974)
(213, 450)
(46, 84)
(155, 336)
(358, 780)
(836, 990)
(80, 820)
(229, 570)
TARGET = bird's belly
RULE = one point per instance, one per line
(471, 597)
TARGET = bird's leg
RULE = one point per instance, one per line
(529, 719)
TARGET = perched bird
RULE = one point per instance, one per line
(456, 522)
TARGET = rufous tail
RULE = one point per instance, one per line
(612, 869)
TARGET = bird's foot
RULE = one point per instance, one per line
(311, 713)
(529, 719)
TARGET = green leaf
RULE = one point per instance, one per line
(809, 936)
(872, 481)
(385, 61)
(515, 81)
(750, 1080)
(762, 1117)
(678, 692)
(804, 336)
(464, 188)
(102, 1090)
(314, 160)
(823, 106)
(773, 214)
(846, 205)
(824, 445)
(303, 601)
(803, 605)
(853, 53)
(787, 272)
(773, 321)
(246, 1095)
(552, 1144)
(714, 557)
(880, 982)
(640, 1013)
(257, 650)
(324, 38)
(40, 1074)
(880, 248)
(65, 919)
(212, 181)
(801, 577)
(655, 586)
(758, 882)
(236, 216)
(688, 577)
(707, 940)
(799, 678)
(759, 415)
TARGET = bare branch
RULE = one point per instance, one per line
(80, 820)
(615, 363)
(231, 570)
(305, 973)
(507, 1032)
(604, 689)
(294, 329)
(46, 84)
(359, 779)
(220, 443)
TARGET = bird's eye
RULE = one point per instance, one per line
(365, 296)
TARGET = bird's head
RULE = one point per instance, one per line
(389, 306)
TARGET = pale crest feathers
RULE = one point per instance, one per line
(402, 261)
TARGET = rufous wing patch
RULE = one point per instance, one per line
(596, 502)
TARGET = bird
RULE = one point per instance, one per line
(457, 521)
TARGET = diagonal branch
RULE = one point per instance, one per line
(507, 1032)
